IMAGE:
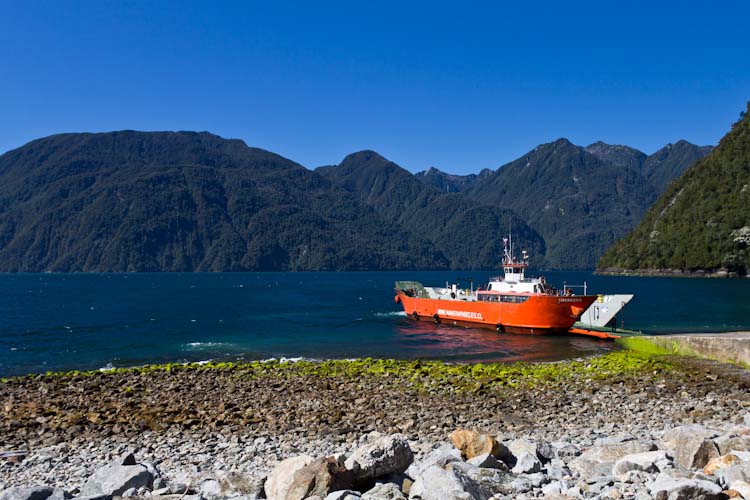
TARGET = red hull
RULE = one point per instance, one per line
(539, 314)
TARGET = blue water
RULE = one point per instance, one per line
(90, 321)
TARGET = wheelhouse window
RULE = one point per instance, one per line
(513, 299)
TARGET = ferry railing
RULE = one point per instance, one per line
(566, 287)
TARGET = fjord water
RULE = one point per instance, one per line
(90, 321)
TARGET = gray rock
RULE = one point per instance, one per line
(527, 463)
(102, 497)
(439, 457)
(665, 487)
(343, 495)
(115, 479)
(691, 445)
(599, 460)
(384, 491)
(645, 461)
(33, 493)
(557, 469)
(727, 444)
(728, 475)
(436, 483)
(564, 450)
(545, 451)
(210, 488)
(487, 461)
(520, 446)
(129, 493)
(553, 488)
(386, 455)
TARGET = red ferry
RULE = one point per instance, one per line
(511, 303)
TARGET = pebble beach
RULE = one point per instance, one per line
(425, 430)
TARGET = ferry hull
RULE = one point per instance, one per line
(538, 315)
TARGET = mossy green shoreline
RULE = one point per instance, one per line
(464, 376)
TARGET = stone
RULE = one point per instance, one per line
(129, 493)
(691, 445)
(459, 481)
(210, 488)
(343, 495)
(741, 487)
(115, 479)
(666, 487)
(721, 462)
(487, 461)
(280, 479)
(564, 450)
(471, 443)
(728, 475)
(33, 493)
(439, 457)
(527, 463)
(727, 444)
(386, 455)
(520, 446)
(646, 461)
(598, 461)
(384, 491)
(319, 477)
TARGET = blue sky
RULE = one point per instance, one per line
(461, 86)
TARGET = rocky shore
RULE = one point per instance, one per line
(622, 425)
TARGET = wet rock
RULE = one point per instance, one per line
(281, 479)
(599, 460)
(646, 461)
(386, 455)
(471, 444)
(691, 445)
(115, 479)
(33, 493)
(665, 487)
(384, 491)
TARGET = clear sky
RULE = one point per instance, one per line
(461, 86)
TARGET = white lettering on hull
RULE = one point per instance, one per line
(460, 314)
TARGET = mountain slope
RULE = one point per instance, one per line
(667, 164)
(618, 155)
(577, 202)
(702, 221)
(449, 183)
(165, 201)
(469, 233)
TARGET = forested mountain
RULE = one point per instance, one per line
(180, 201)
(450, 183)
(702, 221)
(136, 201)
(579, 199)
(667, 164)
(469, 233)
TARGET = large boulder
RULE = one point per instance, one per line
(727, 444)
(722, 462)
(386, 455)
(319, 477)
(598, 461)
(527, 463)
(646, 461)
(116, 478)
(471, 444)
(691, 446)
(439, 457)
(451, 483)
(34, 493)
(666, 487)
(280, 480)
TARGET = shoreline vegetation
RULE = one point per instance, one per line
(200, 427)
(671, 273)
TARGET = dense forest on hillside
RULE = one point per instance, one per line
(702, 221)
(184, 201)
(135, 201)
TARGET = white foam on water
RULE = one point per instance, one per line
(391, 313)
(205, 345)
(108, 367)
